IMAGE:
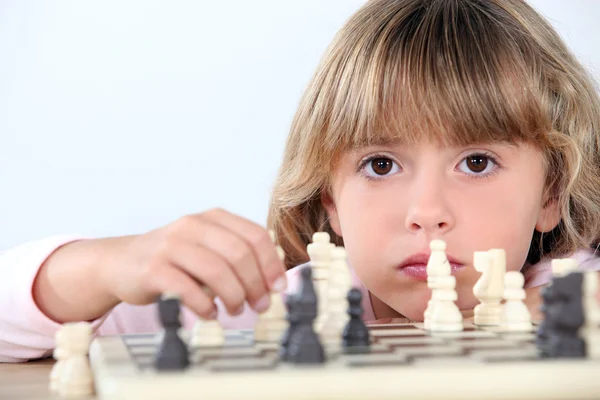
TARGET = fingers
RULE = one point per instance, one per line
(259, 242)
(176, 280)
(217, 254)
(238, 255)
(205, 267)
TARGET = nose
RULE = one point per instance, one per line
(429, 211)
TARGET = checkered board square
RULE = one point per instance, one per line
(404, 361)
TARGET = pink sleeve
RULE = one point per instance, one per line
(541, 273)
(25, 331)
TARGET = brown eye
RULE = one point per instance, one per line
(477, 162)
(382, 166)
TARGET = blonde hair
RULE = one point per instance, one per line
(454, 71)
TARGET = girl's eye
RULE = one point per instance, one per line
(477, 164)
(379, 166)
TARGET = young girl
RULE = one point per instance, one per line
(465, 120)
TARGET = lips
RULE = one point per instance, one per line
(415, 266)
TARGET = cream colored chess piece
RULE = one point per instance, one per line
(438, 268)
(445, 316)
(339, 284)
(272, 323)
(563, 266)
(59, 356)
(515, 315)
(489, 289)
(591, 310)
(319, 252)
(207, 333)
(76, 378)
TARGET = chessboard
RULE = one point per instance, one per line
(403, 361)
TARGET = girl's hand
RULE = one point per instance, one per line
(198, 256)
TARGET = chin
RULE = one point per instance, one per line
(414, 307)
(415, 314)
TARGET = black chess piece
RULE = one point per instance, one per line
(356, 336)
(558, 335)
(292, 317)
(304, 346)
(172, 353)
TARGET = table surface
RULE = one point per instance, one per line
(27, 381)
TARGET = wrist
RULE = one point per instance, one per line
(111, 255)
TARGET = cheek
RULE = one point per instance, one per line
(506, 219)
(369, 223)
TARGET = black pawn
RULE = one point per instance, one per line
(304, 346)
(292, 317)
(356, 334)
(172, 352)
(558, 334)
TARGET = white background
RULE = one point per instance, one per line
(117, 117)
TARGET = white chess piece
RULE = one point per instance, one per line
(445, 316)
(319, 252)
(515, 315)
(563, 266)
(591, 310)
(76, 379)
(438, 267)
(272, 323)
(59, 356)
(489, 289)
(207, 333)
(339, 284)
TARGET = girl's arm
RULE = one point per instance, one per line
(71, 284)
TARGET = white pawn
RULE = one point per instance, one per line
(438, 267)
(445, 317)
(515, 315)
(563, 266)
(76, 379)
(59, 355)
(319, 252)
(272, 323)
(207, 333)
(340, 283)
(592, 313)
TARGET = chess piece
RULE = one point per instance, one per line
(438, 267)
(172, 352)
(60, 357)
(592, 313)
(339, 283)
(515, 315)
(292, 318)
(558, 335)
(356, 334)
(76, 379)
(489, 289)
(319, 252)
(207, 333)
(304, 346)
(445, 317)
(271, 324)
(563, 266)
(560, 268)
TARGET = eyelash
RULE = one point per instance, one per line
(490, 157)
